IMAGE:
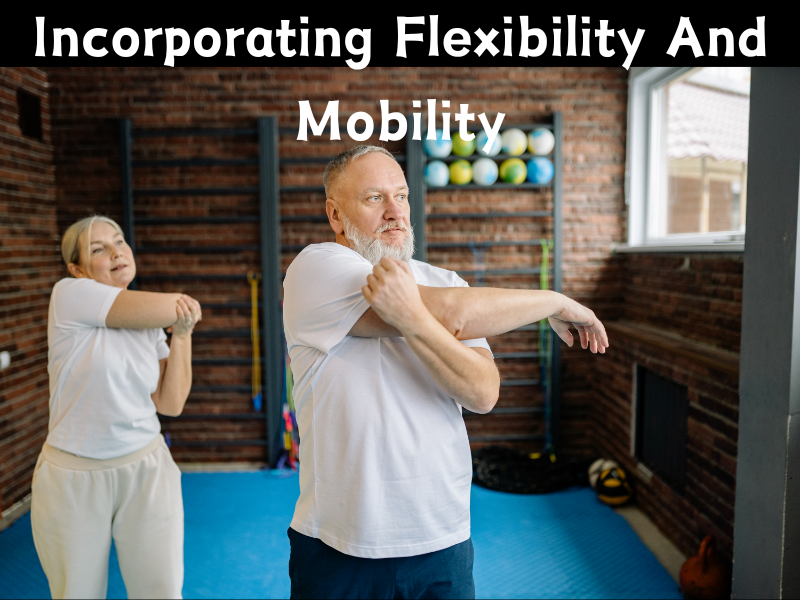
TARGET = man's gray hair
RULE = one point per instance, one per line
(337, 166)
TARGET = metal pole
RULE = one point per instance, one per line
(126, 177)
(558, 253)
(415, 174)
(766, 530)
(269, 203)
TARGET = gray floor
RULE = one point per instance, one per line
(664, 550)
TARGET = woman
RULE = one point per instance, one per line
(105, 471)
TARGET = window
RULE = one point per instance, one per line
(30, 114)
(686, 177)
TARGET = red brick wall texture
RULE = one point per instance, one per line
(29, 266)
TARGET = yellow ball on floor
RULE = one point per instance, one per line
(610, 482)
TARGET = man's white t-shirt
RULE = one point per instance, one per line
(385, 464)
(101, 379)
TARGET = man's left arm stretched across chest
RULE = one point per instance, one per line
(433, 320)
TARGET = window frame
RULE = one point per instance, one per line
(641, 181)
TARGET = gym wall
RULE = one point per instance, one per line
(680, 317)
(30, 263)
(86, 103)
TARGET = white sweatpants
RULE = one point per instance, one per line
(79, 504)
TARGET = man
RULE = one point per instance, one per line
(385, 352)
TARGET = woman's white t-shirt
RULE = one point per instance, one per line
(101, 378)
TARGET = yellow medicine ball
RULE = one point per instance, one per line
(460, 172)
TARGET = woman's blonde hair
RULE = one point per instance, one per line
(71, 249)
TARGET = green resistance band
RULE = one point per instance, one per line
(544, 353)
(544, 284)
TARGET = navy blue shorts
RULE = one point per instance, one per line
(319, 571)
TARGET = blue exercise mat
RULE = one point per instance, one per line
(563, 545)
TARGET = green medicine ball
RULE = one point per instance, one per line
(512, 170)
(462, 147)
(461, 172)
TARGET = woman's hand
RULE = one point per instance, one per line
(176, 374)
(189, 314)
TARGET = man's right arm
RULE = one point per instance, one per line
(470, 313)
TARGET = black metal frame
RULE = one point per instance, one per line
(269, 219)
(415, 176)
(269, 248)
(273, 352)
(126, 177)
(416, 160)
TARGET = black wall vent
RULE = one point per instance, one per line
(661, 422)
(30, 114)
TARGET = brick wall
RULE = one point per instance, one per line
(87, 102)
(29, 266)
(681, 319)
(696, 296)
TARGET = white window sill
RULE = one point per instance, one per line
(683, 248)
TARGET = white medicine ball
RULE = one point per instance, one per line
(541, 141)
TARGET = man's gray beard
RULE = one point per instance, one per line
(374, 250)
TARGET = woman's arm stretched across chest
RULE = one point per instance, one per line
(143, 310)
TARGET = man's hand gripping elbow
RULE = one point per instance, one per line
(394, 294)
(467, 376)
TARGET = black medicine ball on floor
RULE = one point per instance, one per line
(612, 487)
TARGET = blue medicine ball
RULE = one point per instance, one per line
(480, 142)
(437, 174)
(438, 148)
(540, 170)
